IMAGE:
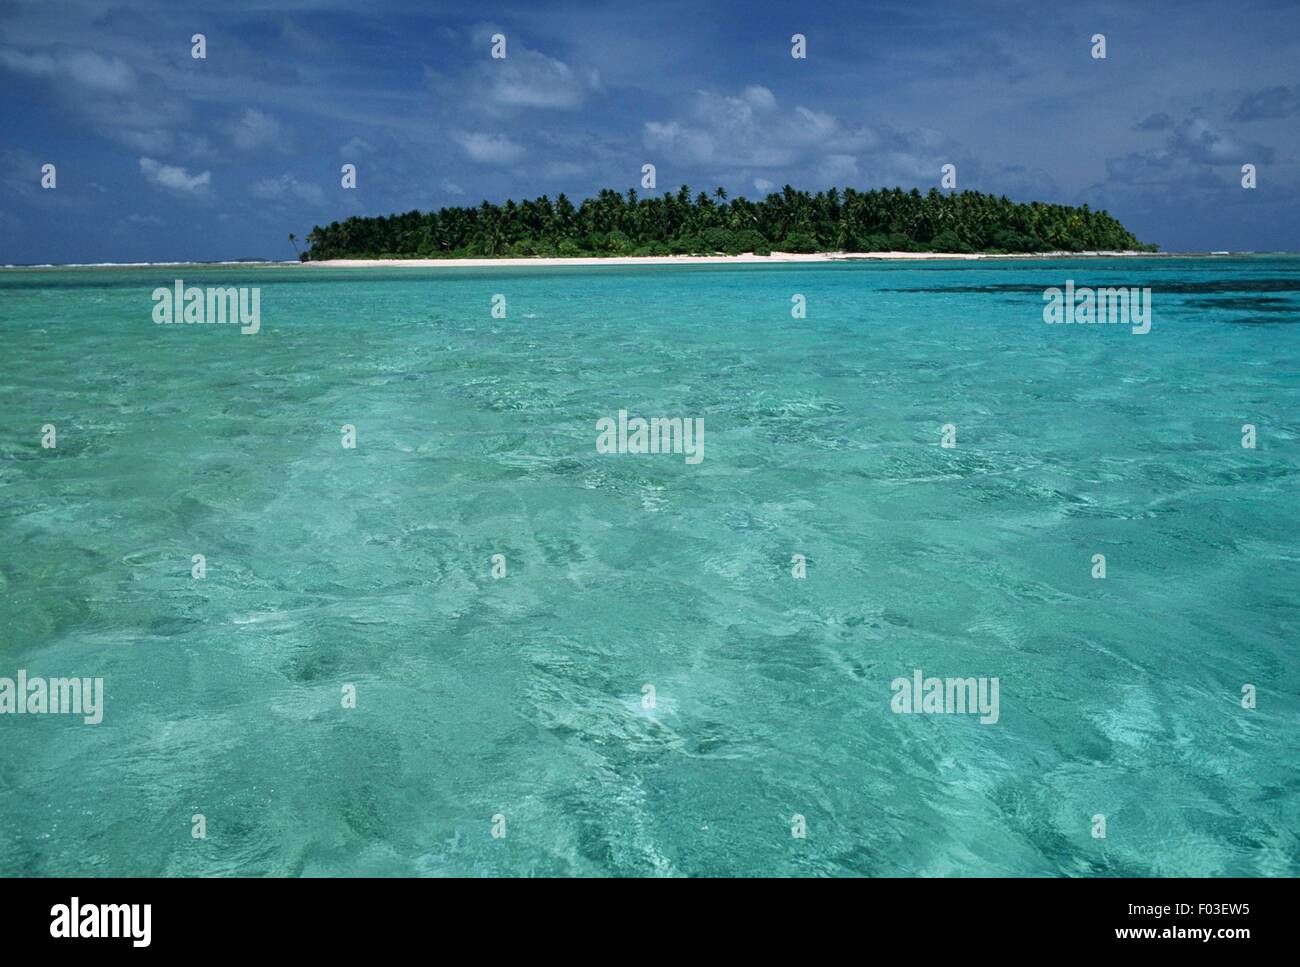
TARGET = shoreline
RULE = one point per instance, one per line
(776, 258)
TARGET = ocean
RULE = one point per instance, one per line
(473, 644)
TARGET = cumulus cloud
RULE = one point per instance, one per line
(525, 79)
(750, 137)
(1200, 142)
(528, 78)
(1199, 164)
(750, 130)
(492, 149)
(254, 130)
(174, 178)
(757, 96)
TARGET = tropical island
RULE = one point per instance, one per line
(614, 224)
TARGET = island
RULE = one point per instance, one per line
(622, 224)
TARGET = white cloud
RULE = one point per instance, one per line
(120, 101)
(527, 78)
(1193, 149)
(254, 130)
(355, 147)
(494, 149)
(524, 79)
(751, 131)
(752, 138)
(82, 67)
(759, 97)
(1196, 139)
(286, 185)
(174, 178)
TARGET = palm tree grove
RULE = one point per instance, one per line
(677, 224)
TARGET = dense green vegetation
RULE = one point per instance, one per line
(791, 221)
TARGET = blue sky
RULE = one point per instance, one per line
(162, 156)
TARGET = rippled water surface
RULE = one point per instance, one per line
(523, 697)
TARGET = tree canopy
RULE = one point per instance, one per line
(678, 224)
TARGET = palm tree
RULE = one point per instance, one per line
(831, 220)
(293, 240)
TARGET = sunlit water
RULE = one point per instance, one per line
(523, 697)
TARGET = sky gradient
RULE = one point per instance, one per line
(161, 156)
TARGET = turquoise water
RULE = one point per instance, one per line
(523, 696)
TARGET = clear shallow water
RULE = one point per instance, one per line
(523, 696)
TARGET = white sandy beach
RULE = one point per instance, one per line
(557, 262)
(636, 260)
(706, 259)
(748, 258)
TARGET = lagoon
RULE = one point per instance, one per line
(524, 695)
